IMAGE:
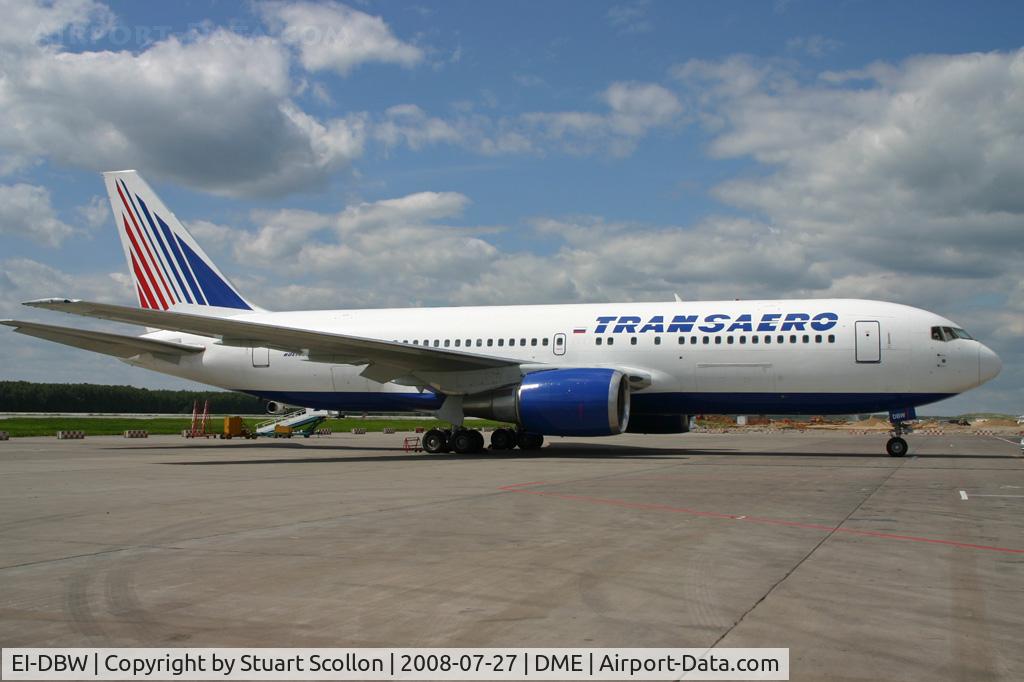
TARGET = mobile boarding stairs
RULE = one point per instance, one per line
(302, 422)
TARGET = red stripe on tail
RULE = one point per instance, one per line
(145, 265)
(156, 263)
(148, 302)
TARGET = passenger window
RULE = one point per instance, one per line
(693, 340)
(437, 342)
(780, 338)
(728, 340)
(817, 338)
(718, 340)
(682, 340)
(743, 339)
(479, 342)
(792, 338)
(707, 340)
(447, 342)
(533, 342)
(632, 340)
(511, 342)
(490, 342)
(807, 338)
(501, 342)
(469, 342)
(457, 342)
(611, 340)
(831, 338)
(544, 341)
(598, 340)
(657, 340)
(558, 341)
(522, 342)
(767, 339)
(753, 339)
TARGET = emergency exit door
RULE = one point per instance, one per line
(869, 341)
(558, 347)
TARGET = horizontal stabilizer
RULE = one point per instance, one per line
(118, 345)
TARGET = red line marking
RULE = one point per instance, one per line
(149, 302)
(145, 265)
(519, 488)
(156, 264)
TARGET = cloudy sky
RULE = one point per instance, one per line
(402, 154)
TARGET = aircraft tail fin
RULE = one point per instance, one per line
(166, 263)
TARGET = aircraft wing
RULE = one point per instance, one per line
(118, 345)
(388, 360)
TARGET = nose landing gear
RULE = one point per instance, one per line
(896, 446)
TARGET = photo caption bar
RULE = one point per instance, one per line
(395, 664)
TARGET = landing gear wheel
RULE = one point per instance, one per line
(464, 442)
(531, 441)
(503, 439)
(478, 441)
(435, 441)
(896, 447)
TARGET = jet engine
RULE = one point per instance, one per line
(275, 407)
(559, 402)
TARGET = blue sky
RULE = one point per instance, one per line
(398, 153)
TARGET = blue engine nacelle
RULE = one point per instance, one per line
(560, 402)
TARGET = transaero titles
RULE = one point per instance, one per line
(715, 322)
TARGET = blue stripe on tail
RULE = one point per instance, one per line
(163, 247)
(216, 289)
(172, 240)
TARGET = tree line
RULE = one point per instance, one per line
(25, 396)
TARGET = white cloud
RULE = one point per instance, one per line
(634, 110)
(408, 124)
(209, 111)
(26, 211)
(813, 46)
(917, 173)
(337, 37)
(411, 209)
(95, 213)
(630, 17)
(27, 23)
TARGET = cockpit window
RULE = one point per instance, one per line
(949, 333)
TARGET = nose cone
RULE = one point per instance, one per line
(989, 364)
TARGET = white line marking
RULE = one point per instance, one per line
(1006, 440)
(963, 494)
(999, 495)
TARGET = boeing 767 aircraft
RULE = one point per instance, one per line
(570, 370)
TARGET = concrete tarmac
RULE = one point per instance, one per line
(865, 566)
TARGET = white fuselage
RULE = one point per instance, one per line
(831, 356)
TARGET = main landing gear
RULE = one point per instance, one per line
(508, 439)
(462, 441)
(466, 441)
(897, 446)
